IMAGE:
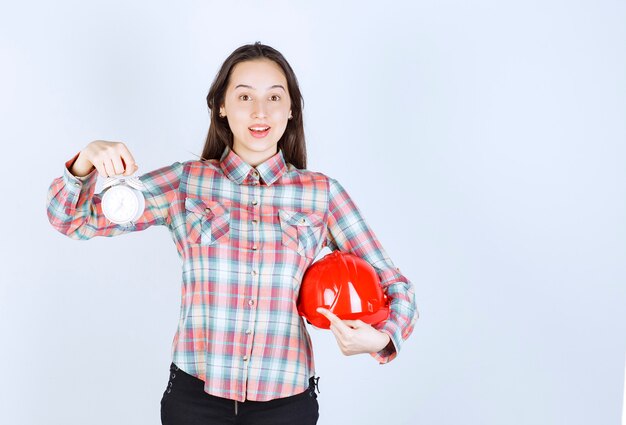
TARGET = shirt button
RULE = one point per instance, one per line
(207, 210)
(254, 202)
(245, 358)
(251, 303)
(253, 272)
(77, 184)
(254, 247)
(255, 173)
(255, 221)
(248, 331)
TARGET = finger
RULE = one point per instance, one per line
(333, 329)
(342, 343)
(100, 169)
(340, 330)
(129, 160)
(326, 313)
(118, 166)
(108, 168)
(339, 336)
(355, 324)
(332, 318)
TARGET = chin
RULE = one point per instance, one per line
(260, 145)
(257, 147)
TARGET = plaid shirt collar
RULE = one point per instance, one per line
(239, 171)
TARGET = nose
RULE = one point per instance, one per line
(259, 109)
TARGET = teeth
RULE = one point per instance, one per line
(259, 128)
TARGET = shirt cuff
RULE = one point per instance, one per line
(73, 183)
(390, 352)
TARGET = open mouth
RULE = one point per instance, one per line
(259, 131)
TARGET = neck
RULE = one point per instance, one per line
(254, 158)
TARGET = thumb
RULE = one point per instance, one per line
(132, 170)
(355, 324)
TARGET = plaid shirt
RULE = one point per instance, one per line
(245, 235)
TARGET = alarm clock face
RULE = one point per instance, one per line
(120, 204)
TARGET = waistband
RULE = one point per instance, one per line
(313, 380)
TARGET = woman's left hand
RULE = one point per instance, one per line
(355, 336)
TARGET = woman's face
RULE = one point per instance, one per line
(256, 97)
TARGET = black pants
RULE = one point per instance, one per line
(184, 402)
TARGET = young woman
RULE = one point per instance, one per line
(247, 220)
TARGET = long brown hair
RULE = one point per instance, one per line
(219, 136)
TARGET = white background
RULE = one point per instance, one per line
(483, 141)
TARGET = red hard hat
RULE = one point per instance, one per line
(346, 285)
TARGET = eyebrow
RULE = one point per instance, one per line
(269, 88)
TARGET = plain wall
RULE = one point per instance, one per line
(483, 141)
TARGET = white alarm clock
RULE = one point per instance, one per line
(123, 201)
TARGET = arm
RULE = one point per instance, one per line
(349, 232)
(75, 210)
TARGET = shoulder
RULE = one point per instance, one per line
(198, 167)
(165, 173)
(177, 170)
(318, 180)
(304, 174)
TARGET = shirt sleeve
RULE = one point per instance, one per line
(349, 232)
(75, 210)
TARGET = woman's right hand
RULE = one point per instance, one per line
(109, 158)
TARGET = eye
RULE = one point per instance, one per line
(275, 96)
(244, 95)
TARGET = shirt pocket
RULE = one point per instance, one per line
(207, 221)
(301, 231)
